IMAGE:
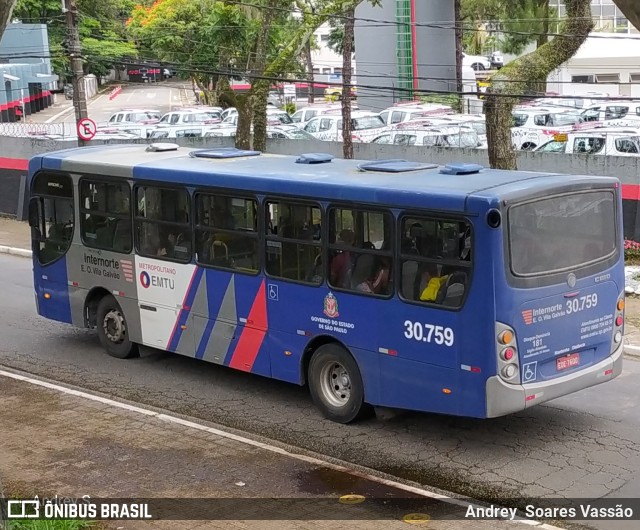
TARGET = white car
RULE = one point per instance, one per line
(402, 112)
(534, 126)
(304, 115)
(611, 112)
(364, 126)
(135, 116)
(477, 62)
(273, 116)
(616, 141)
(190, 117)
(461, 136)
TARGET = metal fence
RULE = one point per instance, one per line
(21, 129)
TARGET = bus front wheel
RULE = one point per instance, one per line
(336, 385)
(113, 331)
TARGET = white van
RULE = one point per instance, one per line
(534, 126)
(616, 141)
(328, 127)
(304, 115)
(461, 136)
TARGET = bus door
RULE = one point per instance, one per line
(52, 221)
(167, 280)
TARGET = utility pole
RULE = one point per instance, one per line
(73, 38)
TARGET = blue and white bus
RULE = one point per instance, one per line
(456, 290)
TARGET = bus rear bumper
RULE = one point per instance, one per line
(503, 398)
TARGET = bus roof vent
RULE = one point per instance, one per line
(162, 146)
(223, 152)
(314, 158)
(461, 169)
(394, 165)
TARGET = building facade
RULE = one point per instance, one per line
(402, 47)
(606, 16)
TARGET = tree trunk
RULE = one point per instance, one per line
(543, 9)
(245, 112)
(347, 51)
(310, 77)
(631, 10)
(260, 94)
(520, 76)
(459, 37)
(260, 87)
(6, 8)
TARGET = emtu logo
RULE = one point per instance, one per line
(145, 279)
(528, 316)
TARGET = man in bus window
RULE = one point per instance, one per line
(341, 264)
(369, 278)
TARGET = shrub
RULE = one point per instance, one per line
(631, 250)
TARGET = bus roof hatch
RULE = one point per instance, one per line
(394, 165)
(314, 158)
(223, 152)
(461, 169)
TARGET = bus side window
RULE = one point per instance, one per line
(162, 223)
(226, 232)
(294, 245)
(360, 253)
(435, 260)
(105, 215)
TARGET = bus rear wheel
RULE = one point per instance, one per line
(113, 331)
(336, 385)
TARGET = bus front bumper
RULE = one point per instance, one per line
(503, 398)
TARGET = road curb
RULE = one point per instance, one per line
(21, 252)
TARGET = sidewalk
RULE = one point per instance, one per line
(56, 441)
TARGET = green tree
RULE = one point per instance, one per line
(101, 27)
(525, 74)
(509, 25)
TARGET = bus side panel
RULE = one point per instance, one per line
(251, 352)
(52, 280)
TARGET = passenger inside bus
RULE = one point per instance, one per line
(369, 276)
(342, 263)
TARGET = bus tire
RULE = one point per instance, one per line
(113, 331)
(336, 385)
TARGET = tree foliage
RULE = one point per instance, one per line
(101, 27)
(525, 74)
(507, 25)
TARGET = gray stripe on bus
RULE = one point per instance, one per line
(225, 327)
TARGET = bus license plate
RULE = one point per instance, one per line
(568, 361)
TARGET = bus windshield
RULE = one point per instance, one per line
(563, 232)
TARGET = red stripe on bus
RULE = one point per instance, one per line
(631, 192)
(251, 338)
(14, 163)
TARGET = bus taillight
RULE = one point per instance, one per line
(508, 364)
(617, 336)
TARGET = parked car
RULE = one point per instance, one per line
(364, 126)
(304, 115)
(273, 116)
(477, 62)
(190, 116)
(497, 60)
(617, 141)
(135, 116)
(443, 136)
(612, 111)
(402, 112)
(534, 125)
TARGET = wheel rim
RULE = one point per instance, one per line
(335, 384)
(114, 326)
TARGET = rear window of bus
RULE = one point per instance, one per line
(564, 232)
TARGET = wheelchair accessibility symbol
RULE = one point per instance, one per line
(529, 372)
(272, 290)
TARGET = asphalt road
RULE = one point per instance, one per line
(163, 96)
(583, 446)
